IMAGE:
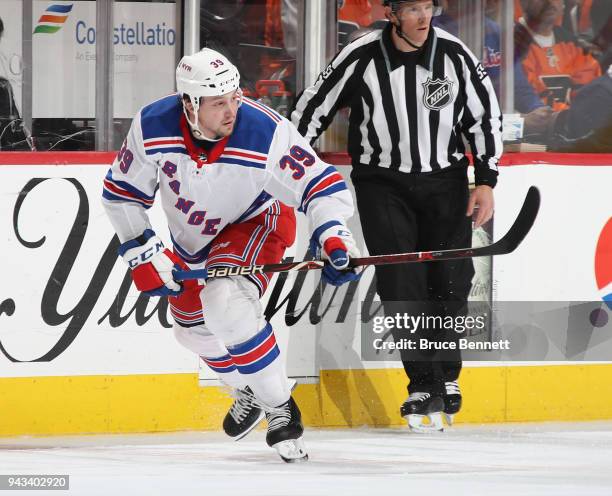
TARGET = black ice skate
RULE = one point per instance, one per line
(452, 401)
(244, 414)
(420, 406)
(285, 431)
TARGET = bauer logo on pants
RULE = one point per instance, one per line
(438, 93)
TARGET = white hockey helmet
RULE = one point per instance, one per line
(205, 73)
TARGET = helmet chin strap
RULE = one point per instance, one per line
(194, 125)
(400, 33)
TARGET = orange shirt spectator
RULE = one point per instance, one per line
(561, 57)
(553, 62)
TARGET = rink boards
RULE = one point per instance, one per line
(81, 352)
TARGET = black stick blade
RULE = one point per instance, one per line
(522, 224)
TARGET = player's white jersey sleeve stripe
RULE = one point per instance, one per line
(169, 144)
(328, 182)
(122, 191)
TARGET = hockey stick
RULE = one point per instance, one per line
(522, 225)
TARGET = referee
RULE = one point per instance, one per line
(414, 91)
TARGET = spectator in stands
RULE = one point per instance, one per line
(12, 136)
(553, 62)
(587, 125)
(537, 115)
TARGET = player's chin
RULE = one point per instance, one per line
(227, 129)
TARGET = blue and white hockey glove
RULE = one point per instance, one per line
(335, 244)
(152, 265)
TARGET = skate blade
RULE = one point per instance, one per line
(262, 415)
(417, 423)
(291, 450)
(449, 418)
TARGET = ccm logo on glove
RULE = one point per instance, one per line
(152, 265)
(146, 255)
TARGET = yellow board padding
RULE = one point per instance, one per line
(579, 392)
(108, 404)
(490, 394)
(343, 398)
(373, 397)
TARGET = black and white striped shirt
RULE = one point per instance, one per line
(408, 109)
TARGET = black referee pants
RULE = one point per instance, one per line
(414, 212)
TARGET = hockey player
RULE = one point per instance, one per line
(223, 164)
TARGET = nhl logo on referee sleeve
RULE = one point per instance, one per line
(438, 93)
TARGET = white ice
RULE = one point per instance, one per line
(559, 459)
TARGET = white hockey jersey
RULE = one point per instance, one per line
(265, 159)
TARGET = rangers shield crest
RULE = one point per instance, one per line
(438, 93)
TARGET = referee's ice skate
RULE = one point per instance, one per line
(452, 401)
(285, 431)
(244, 415)
(421, 406)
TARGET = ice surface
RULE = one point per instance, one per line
(559, 459)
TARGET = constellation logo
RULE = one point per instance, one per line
(53, 18)
(603, 274)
